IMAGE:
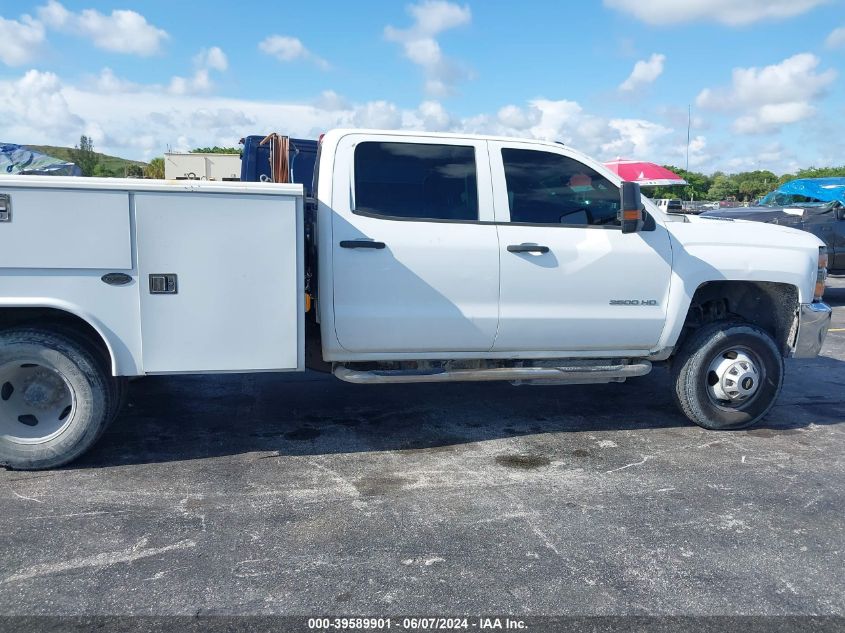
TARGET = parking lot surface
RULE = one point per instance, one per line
(275, 494)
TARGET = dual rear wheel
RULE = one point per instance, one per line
(56, 397)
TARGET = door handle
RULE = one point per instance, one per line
(362, 244)
(527, 248)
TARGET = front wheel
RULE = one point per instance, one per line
(728, 375)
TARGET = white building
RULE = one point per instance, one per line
(202, 166)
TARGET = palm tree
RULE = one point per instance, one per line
(155, 169)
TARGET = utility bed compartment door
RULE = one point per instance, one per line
(64, 229)
(239, 282)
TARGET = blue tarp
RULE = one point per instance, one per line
(17, 159)
(824, 189)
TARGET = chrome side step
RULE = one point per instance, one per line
(574, 375)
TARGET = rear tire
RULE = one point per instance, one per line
(120, 383)
(121, 390)
(728, 376)
(56, 398)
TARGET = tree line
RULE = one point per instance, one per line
(745, 186)
(92, 163)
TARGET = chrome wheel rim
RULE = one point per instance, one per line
(734, 378)
(36, 402)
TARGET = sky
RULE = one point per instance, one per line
(612, 78)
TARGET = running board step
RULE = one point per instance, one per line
(580, 374)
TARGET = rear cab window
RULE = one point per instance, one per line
(416, 181)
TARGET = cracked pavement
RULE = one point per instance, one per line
(299, 494)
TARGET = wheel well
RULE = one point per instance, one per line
(768, 305)
(57, 319)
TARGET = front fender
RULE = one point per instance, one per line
(735, 251)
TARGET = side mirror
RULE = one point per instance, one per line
(631, 207)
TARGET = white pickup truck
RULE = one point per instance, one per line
(423, 258)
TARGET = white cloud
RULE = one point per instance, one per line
(285, 49)
(34, 110)
(514, 117)
(764, 156)
(199, 83)
(430, 116)
(772, 116)
(567, 122)
(636, 138)
(213, 59)
(288, 49)
(730, 12)
(55, 15)
(681, 117)
(224, 118)
(781, 82)
(377, 115)
(697, 151)
(645, 72)
(122, 31)
(554, 120)
(836, 39)
(141, 121)
(205, 61)
(772, 96)
(20, 40)
(330, 100)
(419, 43)
(108, 82)
(435, 16)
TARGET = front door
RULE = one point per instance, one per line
(415, 252)
(571, 281)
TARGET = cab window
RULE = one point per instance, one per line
(416, 181)
(546, 188)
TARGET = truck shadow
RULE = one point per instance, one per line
(186, 418)
(198, 417)
(835, 296)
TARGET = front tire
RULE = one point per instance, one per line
(728, 376)
(56, 398)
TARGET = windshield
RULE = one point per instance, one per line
(779, 199)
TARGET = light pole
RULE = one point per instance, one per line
(689, 127)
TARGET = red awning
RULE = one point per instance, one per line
(646, 174)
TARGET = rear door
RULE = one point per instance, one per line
(414, 249)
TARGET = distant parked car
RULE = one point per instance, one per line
(670, 205)
(816, 205)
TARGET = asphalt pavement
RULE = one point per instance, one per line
(299, 494)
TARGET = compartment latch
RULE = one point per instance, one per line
(5, 207)
(164, 284)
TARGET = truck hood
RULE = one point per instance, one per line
(732, 231)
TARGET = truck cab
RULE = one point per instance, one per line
(474, 247)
